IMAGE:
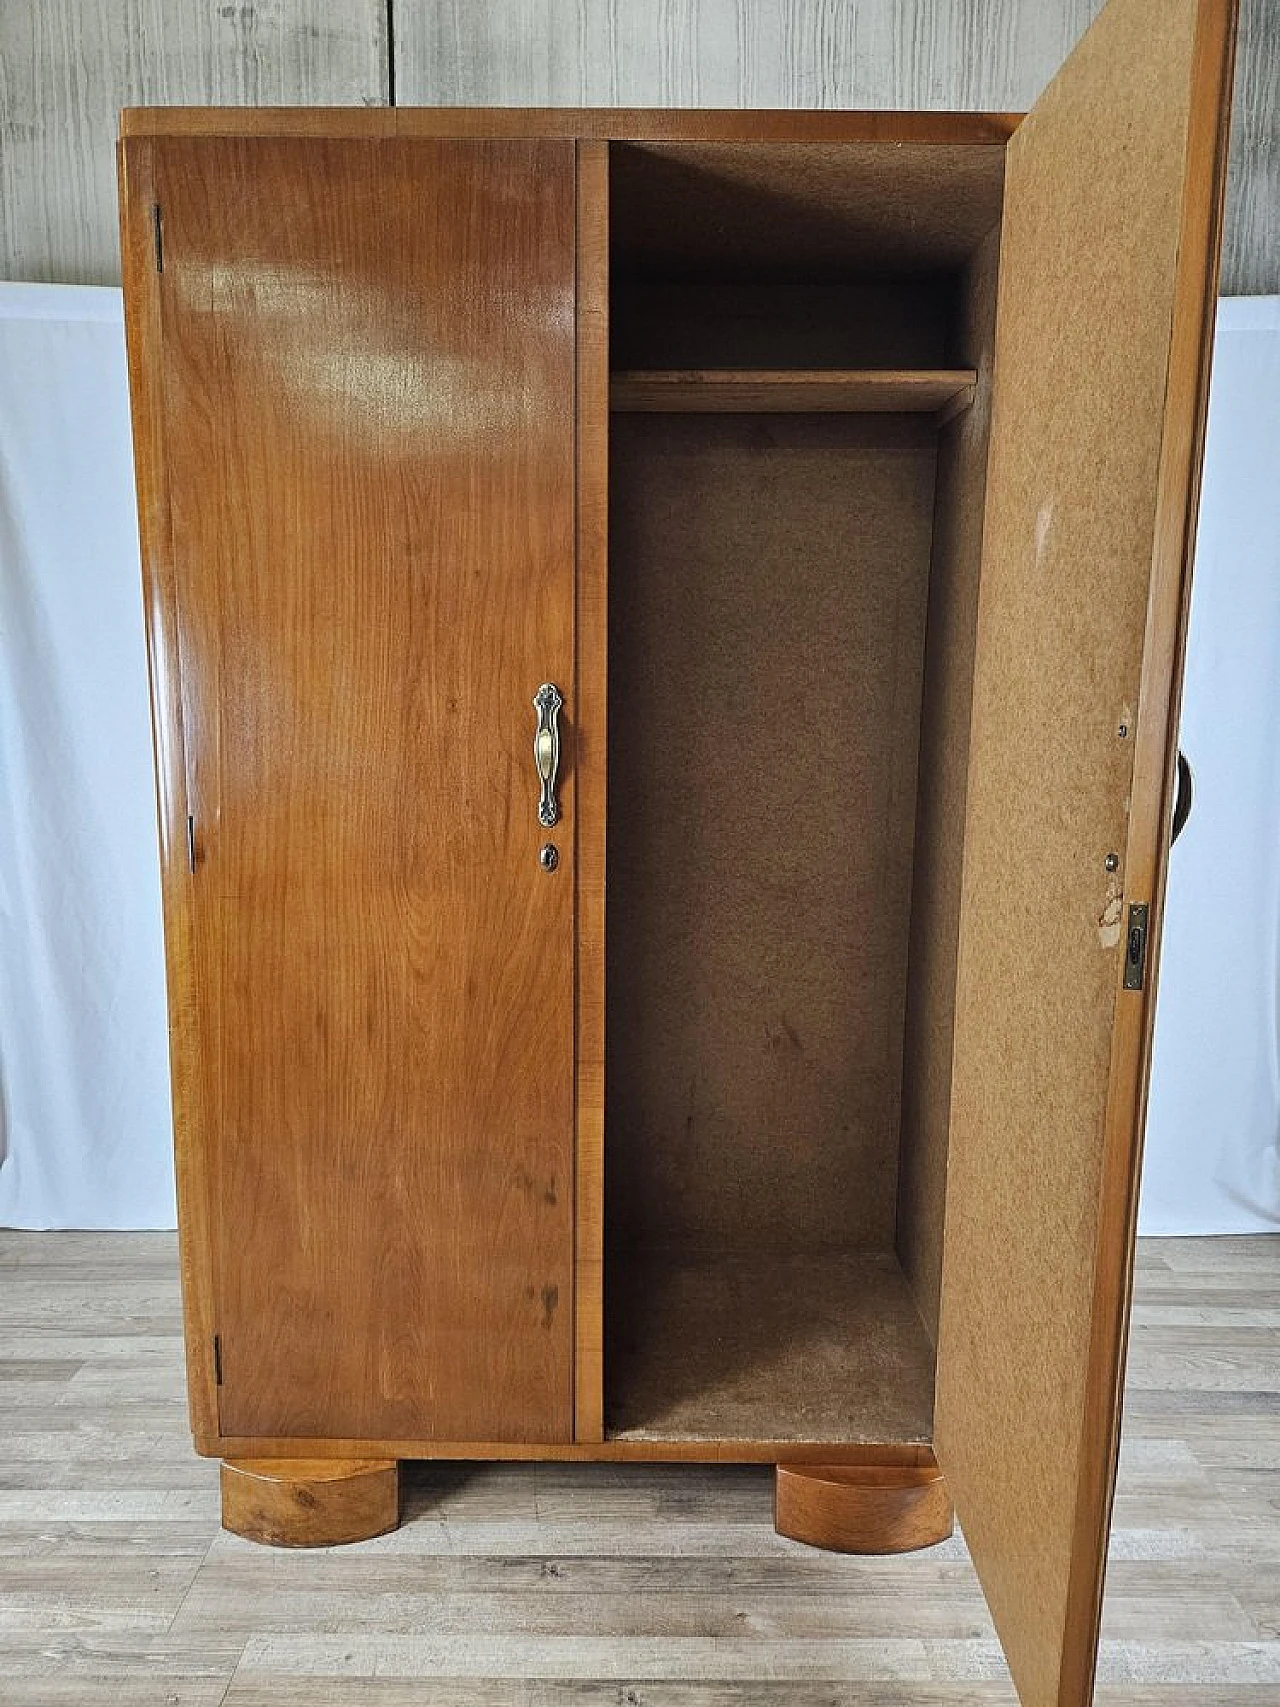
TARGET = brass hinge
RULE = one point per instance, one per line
(1135, 947)
(157, 233)
(217, 1360)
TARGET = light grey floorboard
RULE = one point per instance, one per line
(592, 1585)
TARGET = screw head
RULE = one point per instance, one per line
(1112, 862)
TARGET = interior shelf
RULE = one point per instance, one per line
(824, 1347)
(916, 391)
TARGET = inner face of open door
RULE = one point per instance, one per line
(1108, 265)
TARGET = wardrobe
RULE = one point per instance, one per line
(665, 635)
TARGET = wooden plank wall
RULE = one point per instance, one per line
(736, 53)
(66, 66)
(994, 54)
(1251, 244)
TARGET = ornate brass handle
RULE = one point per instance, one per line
(546, 750)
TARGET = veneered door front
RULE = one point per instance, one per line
(364, 391)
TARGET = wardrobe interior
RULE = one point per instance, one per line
(800, 355)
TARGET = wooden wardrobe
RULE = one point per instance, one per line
(665, 637)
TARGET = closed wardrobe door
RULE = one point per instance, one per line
(353, 378)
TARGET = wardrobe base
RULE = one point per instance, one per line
(863, 1508)
(845, 1508)
(310, 1502)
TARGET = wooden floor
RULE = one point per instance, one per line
(537, 1586)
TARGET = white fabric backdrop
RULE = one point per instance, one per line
(84, 1114)
(1212, 1163)
(84, 1090)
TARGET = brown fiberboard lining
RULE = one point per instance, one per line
(1092, 233)
(944, 764)
(767, 605)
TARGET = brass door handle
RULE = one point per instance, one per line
(546, 750)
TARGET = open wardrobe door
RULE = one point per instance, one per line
(1108, 283)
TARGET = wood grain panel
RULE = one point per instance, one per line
(721, 391)
(310, 1502)
(869, 1509)
(581, 124)
(66, 69)
(1100, 363)
(143, 334)
(702, 1450)
(368, 379)
(592, 634)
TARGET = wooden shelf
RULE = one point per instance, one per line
(721, 391)
(767, 1347)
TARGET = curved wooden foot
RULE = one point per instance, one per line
(310, 1502)
(863, 1508)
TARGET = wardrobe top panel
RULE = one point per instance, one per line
(617, 124)
(804, 210)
